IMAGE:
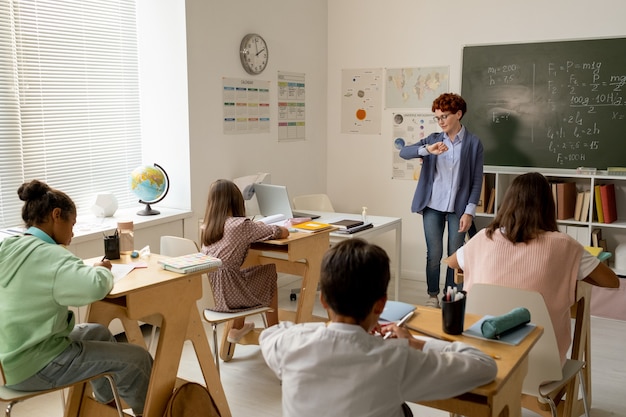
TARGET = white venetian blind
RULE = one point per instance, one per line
(69, 99)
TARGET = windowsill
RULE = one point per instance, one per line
(90, 227)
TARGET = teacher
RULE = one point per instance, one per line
(449, 186)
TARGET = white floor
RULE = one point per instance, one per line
(253, 391)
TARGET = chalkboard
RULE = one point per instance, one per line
(549, 104)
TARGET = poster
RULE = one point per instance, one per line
(291, 106)
(409, 128)
(415, 87)
(361, 101)
(246, 106)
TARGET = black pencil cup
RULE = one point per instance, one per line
(453, 315)
(112, 247)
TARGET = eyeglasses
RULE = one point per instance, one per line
(437, 119)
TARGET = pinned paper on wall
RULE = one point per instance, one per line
(409, 128)
(361, 101)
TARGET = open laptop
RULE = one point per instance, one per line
(273, 199)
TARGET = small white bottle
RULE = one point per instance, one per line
(364, 215)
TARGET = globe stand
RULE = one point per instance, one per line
(147, 211)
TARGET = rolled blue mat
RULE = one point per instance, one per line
(493, 327)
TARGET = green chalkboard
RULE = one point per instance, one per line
(549, 104)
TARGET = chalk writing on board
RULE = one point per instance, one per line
(547, 104)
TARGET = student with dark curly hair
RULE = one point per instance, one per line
(40, 345)
(448, 189)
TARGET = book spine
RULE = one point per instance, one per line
(598, 202)
(609, 208)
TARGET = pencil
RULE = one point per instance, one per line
(400, 323)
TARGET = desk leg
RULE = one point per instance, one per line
(508, 402)
(197, 335)
(310, 280)
(398, 261)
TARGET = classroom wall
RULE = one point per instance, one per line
(296, 32)
(409, 33)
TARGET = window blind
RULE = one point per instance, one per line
(69, 99)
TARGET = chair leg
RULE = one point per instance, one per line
(553, 409)
(216, 348)
(583, 386)
(7, 411)
(116, 395)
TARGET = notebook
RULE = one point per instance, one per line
(186, 264)
(274, 199)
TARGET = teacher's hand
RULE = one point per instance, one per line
(465, 222)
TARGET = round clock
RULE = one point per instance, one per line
(253, 53)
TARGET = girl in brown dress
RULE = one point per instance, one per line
(227, 234)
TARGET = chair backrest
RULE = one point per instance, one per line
(544, 360)
(315, 202)
(177, 246)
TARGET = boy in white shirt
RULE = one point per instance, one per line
(342, 368)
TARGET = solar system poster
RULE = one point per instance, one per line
(361, 101)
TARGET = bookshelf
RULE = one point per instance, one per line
(499, 179)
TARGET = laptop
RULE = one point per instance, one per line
(273, 199)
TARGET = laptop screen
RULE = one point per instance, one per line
(273, 199)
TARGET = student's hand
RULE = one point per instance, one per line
(396, 332)
(105, 263)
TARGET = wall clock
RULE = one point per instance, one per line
(253, 53)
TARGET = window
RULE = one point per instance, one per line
(69, 99)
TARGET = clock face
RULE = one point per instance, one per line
(253, 53)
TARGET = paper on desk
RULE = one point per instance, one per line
(121, 270)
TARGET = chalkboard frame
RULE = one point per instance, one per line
(548, 104)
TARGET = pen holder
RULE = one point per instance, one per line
(112, 247)
(453, 315)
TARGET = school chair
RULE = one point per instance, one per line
(177, 246)
(13, 397)
(314, 202)
(546, 381)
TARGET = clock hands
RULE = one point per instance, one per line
(257, 54)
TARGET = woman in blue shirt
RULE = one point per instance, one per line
(449, 186)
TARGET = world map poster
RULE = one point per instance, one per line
(413, 88)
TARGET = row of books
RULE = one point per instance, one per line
(573, 204)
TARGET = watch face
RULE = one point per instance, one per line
(253, 53)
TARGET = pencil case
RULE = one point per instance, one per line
(493, 327)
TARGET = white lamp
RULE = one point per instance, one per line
(246, 186)
(104, 205)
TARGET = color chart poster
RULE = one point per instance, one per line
(361, 101)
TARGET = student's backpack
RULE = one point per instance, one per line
(191, 400)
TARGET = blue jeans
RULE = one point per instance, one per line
(434, 224)
(94, 350)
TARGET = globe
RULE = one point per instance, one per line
(150, 184)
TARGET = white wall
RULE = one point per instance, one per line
(410, 33)
(295, 31)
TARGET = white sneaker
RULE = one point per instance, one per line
(432, 301)
(235, 335)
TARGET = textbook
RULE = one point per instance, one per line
(186, 264)
(347, 224)
(356, 229)
(312, 226)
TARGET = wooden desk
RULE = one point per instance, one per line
(154, 295)
(302, 255)
(381, 225)
(503, 396)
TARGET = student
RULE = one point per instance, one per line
(522, 248)
(341, 368)
(449, 186)
(227, 234)
(40, 347)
